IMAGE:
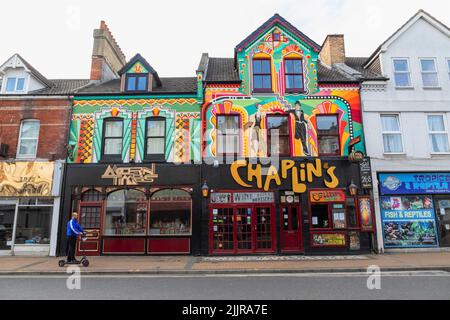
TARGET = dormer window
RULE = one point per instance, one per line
(136, 82)
(15, 84)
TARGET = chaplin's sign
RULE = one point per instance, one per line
(130, 176)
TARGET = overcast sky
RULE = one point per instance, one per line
(55, 36)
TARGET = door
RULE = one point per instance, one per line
(244, 237)
(8, 213)
(290, 234)
(443, 215)
(263, 226)
(90, 219)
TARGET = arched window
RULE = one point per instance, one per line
(91, 195)
(262, 76)
(170, 212)
(126, 212)
(28, 138)
(112, 139)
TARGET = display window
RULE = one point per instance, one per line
(442, 204)
(170, 213)
(34, 221)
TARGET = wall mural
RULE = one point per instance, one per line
(277, 44)
(182, 128)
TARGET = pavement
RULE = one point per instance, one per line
(418, 261)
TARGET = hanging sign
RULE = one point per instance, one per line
(365, 173)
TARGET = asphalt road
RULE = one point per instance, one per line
(417, 285)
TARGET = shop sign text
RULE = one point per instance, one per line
(130, 176)
(415, 183)
(327, 196)
(301, 174)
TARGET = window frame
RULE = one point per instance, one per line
(239, 149)
(19, 141)
(105, 157)
(408, 72)
(329, 135)
(136, 76)
(430, 72)
(16, 82)
(400, 132)
(159, 156)
(430, 133)
(262, 90)
(288, 135)
(447, 60)
(302, 75)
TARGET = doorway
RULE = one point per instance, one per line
(291, 230)
(8, 214)
(443, 217)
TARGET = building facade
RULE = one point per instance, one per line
(406, 120)
(260, 153)
(34, 117)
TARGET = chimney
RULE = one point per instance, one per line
(333, 50)
(107, 57)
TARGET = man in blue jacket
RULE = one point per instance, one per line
(73, 231)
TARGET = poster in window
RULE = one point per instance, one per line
(365, 214)
(339, 216)
(328, 239)
(354, 241)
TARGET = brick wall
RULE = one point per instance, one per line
(54, 125)
(333, 50)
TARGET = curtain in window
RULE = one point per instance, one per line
(439, 138)
(392, 143)
(390, 123)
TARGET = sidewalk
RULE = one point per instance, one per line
(235, 264)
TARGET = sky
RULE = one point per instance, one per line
(55, 36)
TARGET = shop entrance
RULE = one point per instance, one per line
(242, 228)
(443, 214)
(8, 213)
(291, 234)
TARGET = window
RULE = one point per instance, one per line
(170, 213)
(391, 132)
(228, 138)
(155, 138)
(126, 213)
(278, 135)
(34, 221)
(429, 73)
(112, 138)
(401, 73)
(293, 75)
(438, 134)
(448, 68)
(136, 82)
(15, 84)
(262, 78)
(328, 135)
(28, 139)
(320, 218)
(352, 213)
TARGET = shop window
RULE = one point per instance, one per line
(338, 215)
(28, 139)
(155, 138)
(90, 217)
(170, 213)
(223, 229)
(33, 223)
(328, 135)
(294, 75)
(228, 135)
(320, 218)
(402, 75)
(262, 78)
(91, 196)
(112, 139)
(391, 132)
(438, 133)
(136, 82)
(126, 212)
(278, 135)
(429, 73)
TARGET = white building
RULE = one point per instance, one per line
(406, 124)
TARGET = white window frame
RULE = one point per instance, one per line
(430, 133)
(392, 132)
(429, 72)
(447, 61)
(407, 72)
(16, 81)
(27, 156)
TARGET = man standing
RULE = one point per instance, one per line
(73, 231)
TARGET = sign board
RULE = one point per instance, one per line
(130, 176)
(365, 173)
(328, 239)
(415, 183)
(253, 197)
(327, 196)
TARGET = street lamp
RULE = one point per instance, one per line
(353, 189)
(205, 190)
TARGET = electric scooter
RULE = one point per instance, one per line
(83, 261)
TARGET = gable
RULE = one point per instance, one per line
(138, 67)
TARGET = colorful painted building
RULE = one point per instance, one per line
(260, 153)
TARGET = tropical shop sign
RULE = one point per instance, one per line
(415, 183)
(408, 221)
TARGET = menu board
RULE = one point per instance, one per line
(328, 239)
(220, 197)
(354, 240)
(408, 221)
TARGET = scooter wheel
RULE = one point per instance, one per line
(61, 263)
(85, 263)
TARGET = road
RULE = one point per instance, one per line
(416, 285)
